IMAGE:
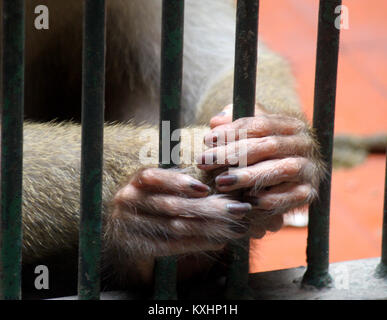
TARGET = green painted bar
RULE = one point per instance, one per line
(12, 149)
(93, 102)
(172, 40)
(246, 49)
(165, 278)
(381, 270)
(246, 46)
(317, 273)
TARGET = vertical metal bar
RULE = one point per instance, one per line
(245, 73)
(170, 103)
(93, 101)
(246, 46)
(381, 270)
(323, 122)
(12, 149)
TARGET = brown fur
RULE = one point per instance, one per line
(53, 91)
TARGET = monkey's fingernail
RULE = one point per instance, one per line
(197, 186)
(221, 114)
(238, 208)
(227, 180)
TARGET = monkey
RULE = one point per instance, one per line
(148, 212)
(351, 150)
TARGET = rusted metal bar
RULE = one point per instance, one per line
(246, 50)
(93, 102)
(12, 149)
(170, 105)
(317, 273)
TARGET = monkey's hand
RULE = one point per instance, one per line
(165, 212)
(282, 168)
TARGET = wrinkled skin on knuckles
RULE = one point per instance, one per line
(187, 213)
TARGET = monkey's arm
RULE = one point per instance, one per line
(147, 212)
(275, 90)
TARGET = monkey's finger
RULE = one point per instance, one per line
(280, 199)
(212, 207)
(223, 117)
(262, 125)
(170, 182)
(125, 230)
(267, 173)
(205, 236)
(177, 232)
(274, 223)
(251, 151)
(184, 246)
(161, 236)
(258, 228)
(180, 228)
(214, 230)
